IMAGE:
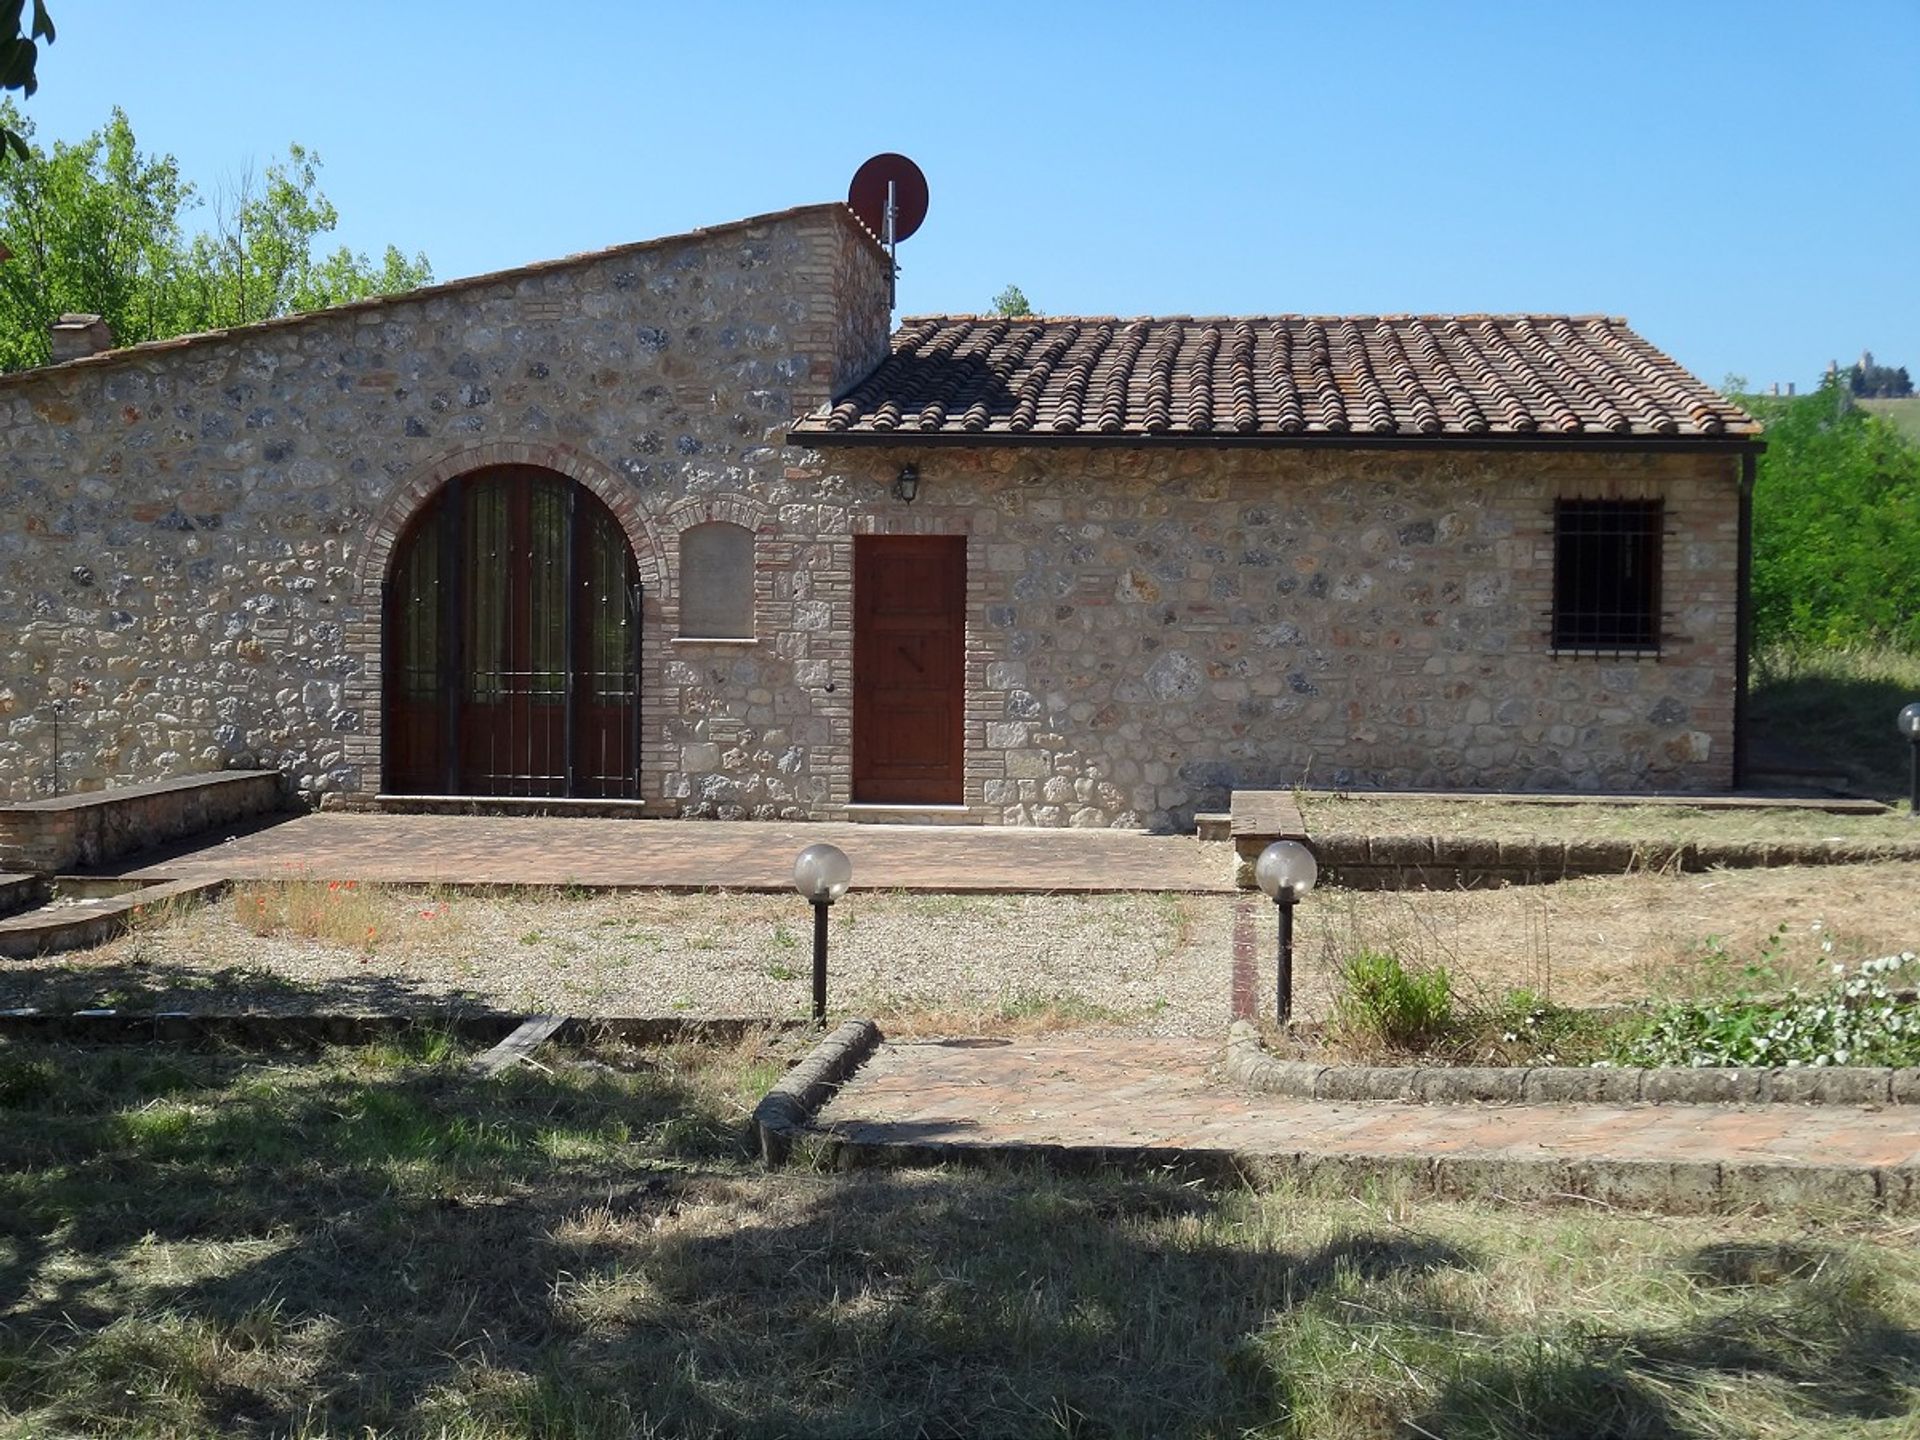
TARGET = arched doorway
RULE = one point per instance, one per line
(512, 625)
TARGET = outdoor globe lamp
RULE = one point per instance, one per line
(1910, 727)
(821, 873)
(1286, 870)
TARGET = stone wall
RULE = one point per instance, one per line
(197, 530)
(1150, 628)
(62, 832)
(205, 525)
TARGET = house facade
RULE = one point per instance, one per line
(681, 524)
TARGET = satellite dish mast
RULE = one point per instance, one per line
(889, 194)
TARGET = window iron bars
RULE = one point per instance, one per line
(1606, 575)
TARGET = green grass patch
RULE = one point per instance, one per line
(342, 1245)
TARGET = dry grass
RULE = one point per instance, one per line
(1656, 826)
(1014, 962)
(338, 912)
(1612, 940)
(373, 1244)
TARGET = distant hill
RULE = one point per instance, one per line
(1903, 414)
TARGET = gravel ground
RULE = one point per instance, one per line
(965, 964)
(1147, 963)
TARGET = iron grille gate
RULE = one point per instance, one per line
(513, 644)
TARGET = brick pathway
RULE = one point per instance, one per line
(1128, 1094)
(695, 854)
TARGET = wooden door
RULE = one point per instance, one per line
(512, 624)
(909, 669)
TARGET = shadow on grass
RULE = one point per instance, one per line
(376, 1241)
(81, 980)
(1837, 721)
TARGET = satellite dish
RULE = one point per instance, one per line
(889, 188)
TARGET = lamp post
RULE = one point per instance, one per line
(1286, 871)
(821, 873)
(1910, 727)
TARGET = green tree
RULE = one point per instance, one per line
(1873, 381)
(1836, 525)
(1012, 302)
(259, 260)
(19, 56)
(97, 226)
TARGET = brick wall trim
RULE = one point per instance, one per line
(406, 498)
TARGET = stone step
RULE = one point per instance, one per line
(21, 892)
(536, 805)
(914, 815)
(74, 924)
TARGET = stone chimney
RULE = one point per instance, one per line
(76, 336)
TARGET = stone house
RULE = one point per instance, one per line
(678, 525)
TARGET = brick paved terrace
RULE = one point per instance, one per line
(692, 855)
(1094, 1095)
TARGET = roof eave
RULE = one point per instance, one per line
(1736, 443)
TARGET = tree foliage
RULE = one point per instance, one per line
(1012, 302)
(19, 57)
(1836, 525)
(98, 226)
(1883, 382)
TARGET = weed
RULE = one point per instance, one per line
(337, 911)
(1856, 1019)
(1059, 1011)
(781, 972)
(25, 1082)
(1382, 1001)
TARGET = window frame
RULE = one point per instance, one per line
(1579, 623)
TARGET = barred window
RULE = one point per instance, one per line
(1606, 574)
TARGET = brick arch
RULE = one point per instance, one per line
(406, 498)
(727, 507)
(732, 507)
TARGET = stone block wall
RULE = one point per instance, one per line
(1148, 629)
(197, 531)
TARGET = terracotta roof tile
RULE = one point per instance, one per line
(1382, 377)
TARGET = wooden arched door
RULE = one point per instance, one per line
(512, 618)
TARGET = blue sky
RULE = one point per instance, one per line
(1742, 181)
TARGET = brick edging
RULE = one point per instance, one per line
(1249, 1064)
(1672, 1186)
(786, 1109)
